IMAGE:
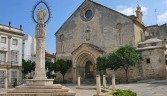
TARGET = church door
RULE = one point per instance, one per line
(89, 70)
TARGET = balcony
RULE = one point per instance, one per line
(13, 64)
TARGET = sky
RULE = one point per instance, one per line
(18, 12)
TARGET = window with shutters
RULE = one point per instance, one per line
(14, 57)
(2, 76)
(2, 57)
(13, 76)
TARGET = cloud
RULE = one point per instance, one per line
(162, 18)
(130, 10)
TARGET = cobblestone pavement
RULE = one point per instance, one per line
(154, 88)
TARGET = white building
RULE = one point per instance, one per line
(10, 53)
(29, 47)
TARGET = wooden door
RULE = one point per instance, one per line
(89, 71)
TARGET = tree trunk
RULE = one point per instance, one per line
(63, 78)
(126, 76)
(104, 72)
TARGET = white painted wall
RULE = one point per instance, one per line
(29, 47)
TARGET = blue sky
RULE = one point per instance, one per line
(19, 12)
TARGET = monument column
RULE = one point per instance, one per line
(40, 44)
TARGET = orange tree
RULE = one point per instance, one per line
(127, 56)
(64, 65)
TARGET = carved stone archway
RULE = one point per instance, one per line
(83, 54)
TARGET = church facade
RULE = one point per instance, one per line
(94, 30)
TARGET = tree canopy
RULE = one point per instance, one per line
(27, 66)
(124, 57)
(101, 63)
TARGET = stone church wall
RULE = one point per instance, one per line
(156, 69)
(104, 31)
(108, 30)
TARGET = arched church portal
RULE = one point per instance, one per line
(85, 66)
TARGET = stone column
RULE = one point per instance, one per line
(98, 85)
(6, 83)
(40, 45)
(9, 52)
(8, 59)
(104, 81)
(74, 74)
(79, 84)
(113, 81)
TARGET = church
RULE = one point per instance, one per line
(95, 30)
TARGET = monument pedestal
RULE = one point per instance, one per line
(39, 82)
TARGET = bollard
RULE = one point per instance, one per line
(98, 85)
(104, 81)
(79, 84)
(113, 82)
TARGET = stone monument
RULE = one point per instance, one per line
(40, 44)
(40, 35)
(40, 85)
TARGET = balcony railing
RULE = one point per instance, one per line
(14, 63)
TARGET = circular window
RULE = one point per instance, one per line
(88, 14)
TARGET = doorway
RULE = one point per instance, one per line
(89, 71)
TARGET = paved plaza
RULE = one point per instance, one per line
(152, 88)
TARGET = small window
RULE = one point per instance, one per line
(3, 39)
(148, 60)
(14, 42)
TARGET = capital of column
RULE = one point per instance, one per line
(9, 37)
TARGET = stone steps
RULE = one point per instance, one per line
(48, 90)
(38, 90)
(55, 86)
(38, 94)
